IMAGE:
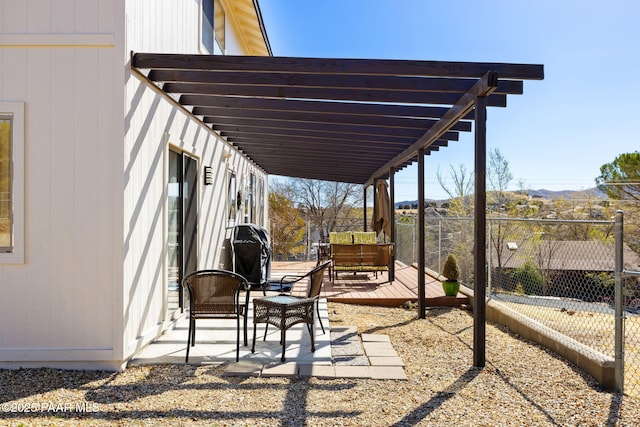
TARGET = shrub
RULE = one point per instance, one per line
(451, 270)
(529, 277)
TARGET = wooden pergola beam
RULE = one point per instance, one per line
(345, 81)
(380, 67)
(484, 87)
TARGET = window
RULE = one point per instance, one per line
(206, 25)
(11, 182)
(260, 202)
(6, 236)
(252, 198)
(232, 199)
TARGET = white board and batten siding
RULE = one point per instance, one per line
(59, 306)
(92, 288)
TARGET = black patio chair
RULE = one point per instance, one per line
(215, 294)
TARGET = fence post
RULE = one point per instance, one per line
(619, 309)
(489, 256)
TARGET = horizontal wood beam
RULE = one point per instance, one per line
(325, 81)
(314, 137)
(221, 113)
(351, 95)
(316, 106)
(370, 127)
(336, 66)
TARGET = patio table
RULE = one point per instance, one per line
(283, 311)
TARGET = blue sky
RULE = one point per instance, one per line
(558, 133)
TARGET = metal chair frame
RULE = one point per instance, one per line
(230, 307)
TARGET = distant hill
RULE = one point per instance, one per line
(569, 194)
(589, 193)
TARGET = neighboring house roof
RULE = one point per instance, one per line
(590, 255)
(343, 120)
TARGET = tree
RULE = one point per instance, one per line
(499, 174)
(287, 225)
(620, 179)
(462, 187)
(328, 206)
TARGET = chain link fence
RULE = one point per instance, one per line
(559, 273)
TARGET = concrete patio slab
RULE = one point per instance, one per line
(385, 361)
(347, 371)
(387, 373)
(289, 369)
(351, 360)
(340, 352)
(242, 369)
(375, 338)
(318, 371)
(384, 349)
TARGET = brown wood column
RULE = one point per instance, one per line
(420, 237)
(392, 218)
(364, 210)
(480, 234)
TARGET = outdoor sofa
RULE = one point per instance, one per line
(357, 251)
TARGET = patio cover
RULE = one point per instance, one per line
(346, 120)
(343, 120)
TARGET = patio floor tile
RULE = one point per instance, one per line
(318, 371)
(347, 371)
(243, 368)
(289, 369)
(387, 373)
(375, 338)
(379, 349)
(385, 361)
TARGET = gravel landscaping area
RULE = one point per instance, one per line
(522, 384)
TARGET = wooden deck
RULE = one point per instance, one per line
(364, 288)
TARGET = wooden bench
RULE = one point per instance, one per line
(361, 257)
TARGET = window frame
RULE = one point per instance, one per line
(15, 253)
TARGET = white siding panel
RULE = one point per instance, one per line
(40, 287)
(109, 213)
(86, 12)
(39, 13)
(96, 206)
(63, 234)
(14, 16)
(63, 17)
(12, 281)
(72, 112)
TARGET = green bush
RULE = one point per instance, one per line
(529, 277)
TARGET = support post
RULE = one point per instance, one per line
(364, 210)
(618, 301)
(392, 219)
(421, 262)
(480, 238)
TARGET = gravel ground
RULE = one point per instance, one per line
(522, 384)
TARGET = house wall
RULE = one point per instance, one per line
(92, 288)
(60, 305)
(153, 125)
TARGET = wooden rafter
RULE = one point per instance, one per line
(304, 116)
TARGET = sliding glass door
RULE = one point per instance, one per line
(182, 248)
